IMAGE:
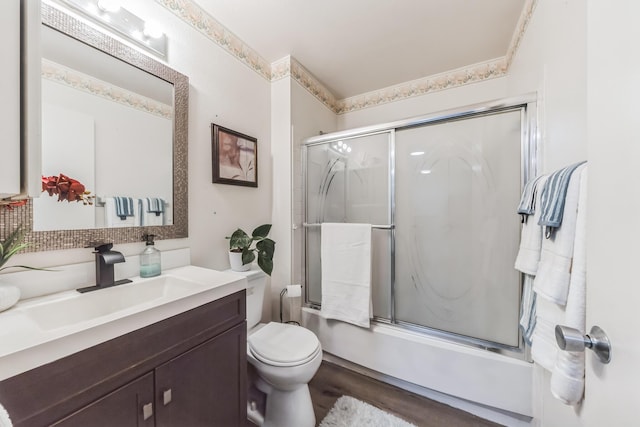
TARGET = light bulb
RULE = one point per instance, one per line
(416, 153)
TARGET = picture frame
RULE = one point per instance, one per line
(234, 157)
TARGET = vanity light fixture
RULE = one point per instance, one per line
(112, 16)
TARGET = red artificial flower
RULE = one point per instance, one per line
(66, 188)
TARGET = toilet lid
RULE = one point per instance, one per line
(281, 344)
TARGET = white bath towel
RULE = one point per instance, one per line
(5, 420)
(531, 236)
(112, 220)
(567, 379)
(528, 309)
(345, 253)
(150, 213)
(544, 349)
(554, 269)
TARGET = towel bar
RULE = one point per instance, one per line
(381, 227)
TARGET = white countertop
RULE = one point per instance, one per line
(25, 345)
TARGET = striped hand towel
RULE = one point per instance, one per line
(527, 204)
(155, 205)
(553, 197)
(124, 207)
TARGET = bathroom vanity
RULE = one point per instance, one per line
(185, 369)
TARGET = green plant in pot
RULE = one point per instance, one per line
(243, 249)
(12, 244)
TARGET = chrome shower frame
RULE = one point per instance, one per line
(530, 153)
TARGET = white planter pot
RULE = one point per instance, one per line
(9, 295)
(235, 259)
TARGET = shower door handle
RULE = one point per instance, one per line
(570, 339)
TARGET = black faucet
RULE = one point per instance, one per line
(105, 259)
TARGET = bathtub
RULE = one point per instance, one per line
(488, 384)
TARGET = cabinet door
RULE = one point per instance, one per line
(10, 100)
(205, 386)
(130, 405)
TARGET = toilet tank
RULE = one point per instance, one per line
(256, 287)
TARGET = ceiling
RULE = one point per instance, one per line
(358, 46)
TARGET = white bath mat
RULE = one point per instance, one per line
(350, 412)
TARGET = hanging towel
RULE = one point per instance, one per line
(112, 217)
(5, 420)
(345, 254)
(554, 270)
(553, 198)
(531, 235)
(152, 211)
(567, 379)
(124, 207)
(528, 200)
(544, 349)
(528, 309)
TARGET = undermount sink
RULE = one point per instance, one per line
(76, 307)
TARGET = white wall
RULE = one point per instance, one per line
(296, 115)
(222, 91)
(552, 60)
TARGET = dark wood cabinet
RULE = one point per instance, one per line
(188, 370)
(193, 391)
(128, 406)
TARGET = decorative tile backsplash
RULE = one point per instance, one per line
(194, 15)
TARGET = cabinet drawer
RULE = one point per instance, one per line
(53, 391)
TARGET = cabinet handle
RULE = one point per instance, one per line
(147, 411)
(166, 397)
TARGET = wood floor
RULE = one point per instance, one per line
(333, 381)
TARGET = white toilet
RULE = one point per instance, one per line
(285, 358)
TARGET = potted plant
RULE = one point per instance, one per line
(14, 243)
(242, 254)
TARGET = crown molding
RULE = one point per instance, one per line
(204, 23)
(60, 74)
(201, 21)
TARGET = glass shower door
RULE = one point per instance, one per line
(348, 181)
(457, 185)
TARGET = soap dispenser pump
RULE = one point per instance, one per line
(149, 258)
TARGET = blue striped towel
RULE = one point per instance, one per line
(553, 196)
(527, 204)
(155, 205)
(124, 207)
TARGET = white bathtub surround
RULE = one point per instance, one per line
(473, 375)
(346, 272)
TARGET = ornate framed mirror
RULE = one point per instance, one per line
(120, 158)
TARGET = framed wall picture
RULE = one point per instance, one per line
(235, 157)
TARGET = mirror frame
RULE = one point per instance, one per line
(68, 239)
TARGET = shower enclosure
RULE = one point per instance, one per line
(441, 193)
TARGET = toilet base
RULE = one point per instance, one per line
(292, 408)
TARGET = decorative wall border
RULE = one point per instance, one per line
(60, 74)
(200, 20)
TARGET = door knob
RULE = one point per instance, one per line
(570, 339)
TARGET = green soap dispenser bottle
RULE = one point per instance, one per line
(149, 258)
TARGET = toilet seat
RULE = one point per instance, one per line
(281, 344)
